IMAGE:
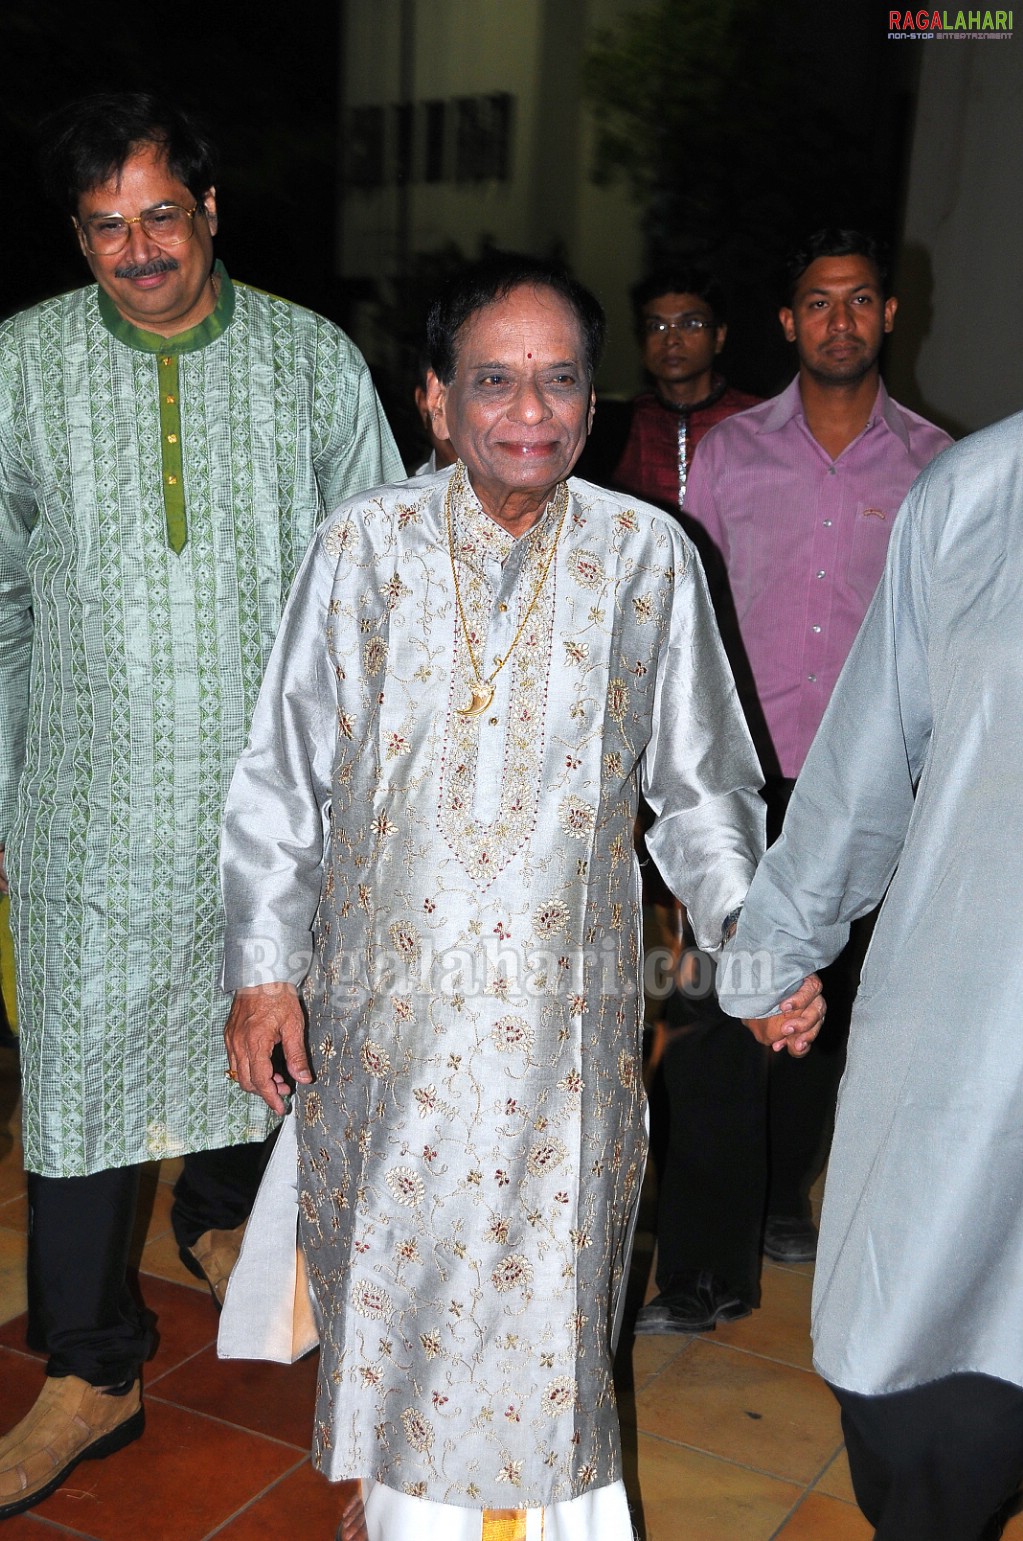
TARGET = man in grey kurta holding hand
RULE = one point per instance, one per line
(169, 441)
(911, 792)
(476, 675)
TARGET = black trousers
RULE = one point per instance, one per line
(712, 1174)
(802, 1092)
(82, 1311)
(940, 1462)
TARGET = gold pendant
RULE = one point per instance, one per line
(482, 695)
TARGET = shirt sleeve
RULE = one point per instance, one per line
(355, 449)
(275, 821)
(847, 821)
(18, 512)
(700, 773)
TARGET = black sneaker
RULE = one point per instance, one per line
(695, 1304)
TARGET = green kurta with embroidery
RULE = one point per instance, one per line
(156, 497)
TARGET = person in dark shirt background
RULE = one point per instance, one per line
(681, 326)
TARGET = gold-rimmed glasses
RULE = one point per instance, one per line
(167, 224)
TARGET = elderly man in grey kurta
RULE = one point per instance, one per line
(912, 792)
(169, 441)
(476, 675)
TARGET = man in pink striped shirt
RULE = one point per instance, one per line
(798, 496)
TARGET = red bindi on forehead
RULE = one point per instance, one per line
(529, 355)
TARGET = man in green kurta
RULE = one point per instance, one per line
(169, 441)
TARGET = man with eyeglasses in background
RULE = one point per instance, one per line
(681, 327)
(680, 318)
(169, 441)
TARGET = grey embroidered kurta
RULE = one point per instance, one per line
(156, 498)
(471, 1152)
(916, 772)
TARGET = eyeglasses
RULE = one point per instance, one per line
(167, 225)
(654, 326)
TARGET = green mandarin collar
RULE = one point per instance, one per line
(190, 341)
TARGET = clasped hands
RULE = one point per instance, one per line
(797, 1021)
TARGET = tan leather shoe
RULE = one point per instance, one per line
(213, 1257)
(353, 1514)
(70, 1422)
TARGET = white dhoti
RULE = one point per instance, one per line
(599, 1516)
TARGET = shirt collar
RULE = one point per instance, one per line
(718, 386)
(789, 405)
(885, 408)
(190, 341)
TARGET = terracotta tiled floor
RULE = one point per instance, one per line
(728, 1437)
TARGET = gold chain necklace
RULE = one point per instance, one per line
(482, 693)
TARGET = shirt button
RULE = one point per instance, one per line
(165, 362)
(172, 438)
(812, 678)
(170, 400)
(832, 471)
(493, 722)
(828, 523)
(172, 481)
(815, 628)
(822, 573)
(503, 608)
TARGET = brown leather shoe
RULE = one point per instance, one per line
(353, 1515)
(70, 1422)
(213, 1257)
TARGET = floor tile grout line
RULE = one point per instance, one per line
(655, 1375)
(256, 1499)
(239, 1428)
(148, 1383)
(757, 1353)
(727, 1460)
(811, 1488)
(800, 1501)
(60, 1529)
(738, 1348)
(173, 1368)
(181, 1284)
(827, 1467)
(22, 1353)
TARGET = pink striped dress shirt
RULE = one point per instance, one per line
(803, 538)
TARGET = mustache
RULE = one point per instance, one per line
(146, 269)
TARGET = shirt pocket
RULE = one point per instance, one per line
(872, 531)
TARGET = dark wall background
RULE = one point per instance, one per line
(741, 126)
(789, 113)
(267, 91)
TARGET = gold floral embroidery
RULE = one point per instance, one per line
(485, 849)
(551, 918)
(586, 568)
(513, 1273)
(576, 817)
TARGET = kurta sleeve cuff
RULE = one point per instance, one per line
(752, 981)
(263, 960)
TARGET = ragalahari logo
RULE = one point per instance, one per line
(926, 26)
